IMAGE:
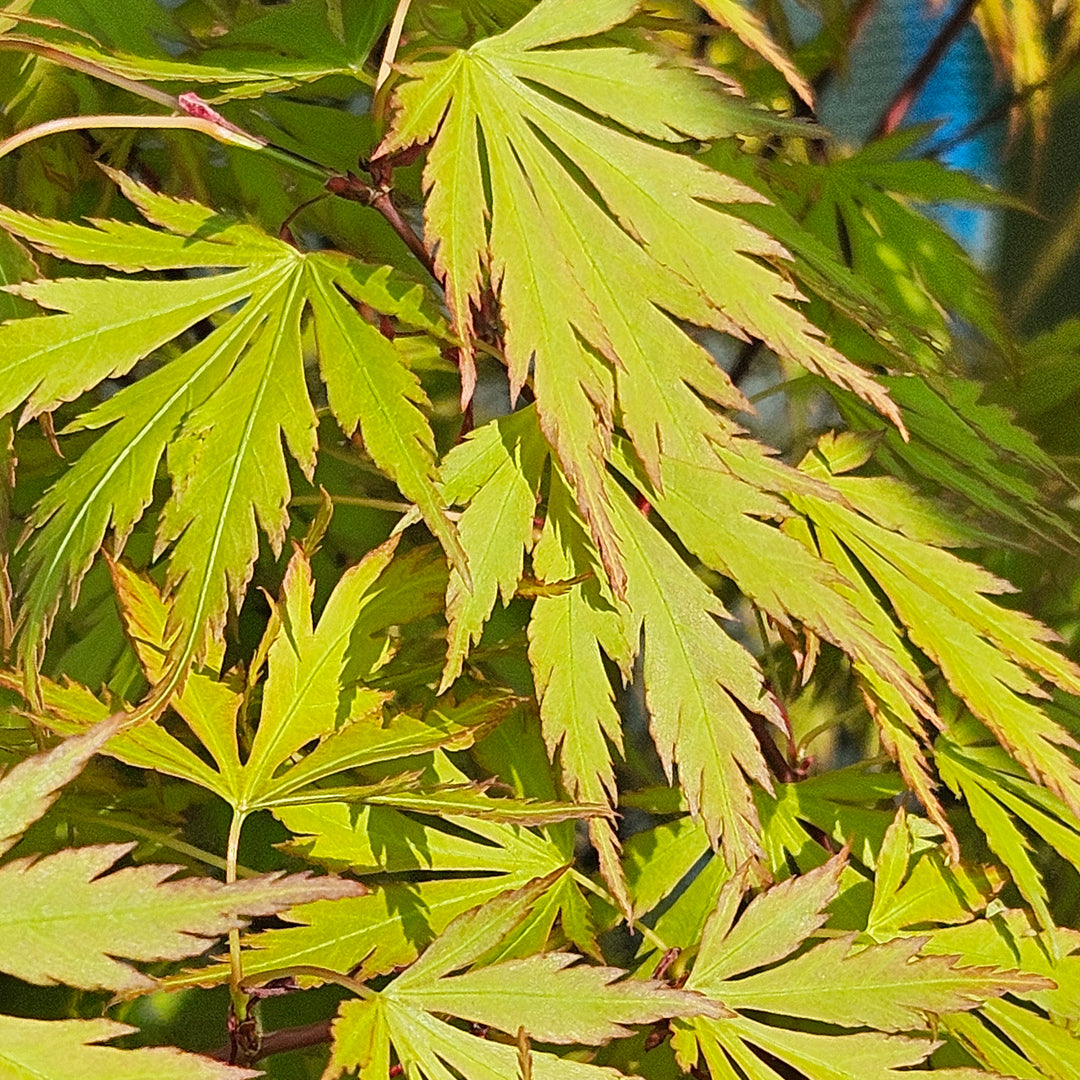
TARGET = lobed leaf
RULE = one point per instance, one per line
(221, 406)
(582, 213)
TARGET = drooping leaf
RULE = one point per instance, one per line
(1002, 800)
(496, 471)
(990, 655)
(697, 681)
(569, 635)
(968, 447)
(576, 229)
(862, 205)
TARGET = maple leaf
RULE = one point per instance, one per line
(544, 995)
(1029, 1034)
(496, 472)
(221, 406)
(582, 214)
(753, 33)
(466, 858)
(315, 693)
(992, 657)
(1002, 799)
(758, 962)
(65, 917)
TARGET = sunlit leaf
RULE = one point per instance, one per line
(56, 1049)
(65, 916)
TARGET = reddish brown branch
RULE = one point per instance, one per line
(380, 199)
(279, 1042)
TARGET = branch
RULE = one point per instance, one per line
(897, 109)
(279, 1042)
(379, 198)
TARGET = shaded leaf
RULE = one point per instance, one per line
(31, 787)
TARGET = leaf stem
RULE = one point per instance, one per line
(88, 67)
(314, 971)
(283, 1040)
(83, 123)
(236, 970)
(647, 932)
(355, 500)
(393, 40)
(380, 198)
(167, 841)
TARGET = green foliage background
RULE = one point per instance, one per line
(522, 556)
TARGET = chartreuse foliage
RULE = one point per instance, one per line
(426, 536)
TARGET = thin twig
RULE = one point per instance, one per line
(741, 368)
(16, 43)
(231, 136)
(903, 99)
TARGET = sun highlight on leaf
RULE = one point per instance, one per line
(582, 215)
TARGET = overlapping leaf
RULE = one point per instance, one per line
(65, 917)
(544, 996)
(992, 657)
(497, 473)
(861, 206)
(582, 216)
(221, 406)
(1029, 1036)
(913, 886)
(465, 859)
(570, 632)
(759, 962)
(969, 448)
(753, 33)
(1005, 805)
(315, 693)
(697, 678)
(32, 786)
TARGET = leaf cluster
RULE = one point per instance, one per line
(549, 547)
